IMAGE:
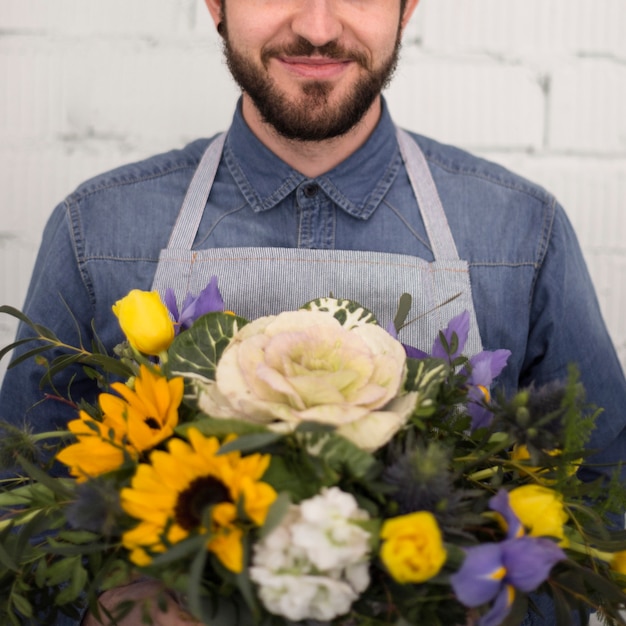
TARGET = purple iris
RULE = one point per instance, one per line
(482, 371)
(208, 300)
(484, 367)
(458, 326)
(495, 571)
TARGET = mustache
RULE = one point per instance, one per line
(301, 47)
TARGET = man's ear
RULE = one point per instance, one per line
(215, 9)
(408, 11)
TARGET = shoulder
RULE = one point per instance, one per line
(486, 202)
(450, 163)
(166, 165)
(128, 212)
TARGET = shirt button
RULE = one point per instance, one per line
(310, 190)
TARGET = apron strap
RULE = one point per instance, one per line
(190, 215)
(435, 220)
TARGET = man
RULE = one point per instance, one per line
(313, 189)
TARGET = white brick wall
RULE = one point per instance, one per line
(538, 85)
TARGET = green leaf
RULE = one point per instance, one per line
(341, 454)
(32, 494)
(62, 570)
(195, 582)
(22, 605)
(59, 364)
(16, 344)
(5, 558)
(109, 364)
(216, 427)
(65, 549)
(196, 351)
(348, 312)
(59, 486)
(78, 536)
(75, 588)
(250, 443)
(404, 307)
(297, 478)
(28, 355)
(40, 330)
(425, 376)
(179, 551)
(275, 514)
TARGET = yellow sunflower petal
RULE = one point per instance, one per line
(258, 497)
(168, 495)
(91, 456)
(228, 548)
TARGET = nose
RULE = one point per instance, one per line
(317, 21)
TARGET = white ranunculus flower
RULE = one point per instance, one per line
(327, 532)
(315, 563)
(305, 366)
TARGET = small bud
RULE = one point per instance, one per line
(16, 442)
(522, 416)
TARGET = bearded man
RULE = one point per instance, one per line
(314, 190)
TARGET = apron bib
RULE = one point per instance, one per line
(257, 281)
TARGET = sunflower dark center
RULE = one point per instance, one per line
(201, 493)
(151, 422)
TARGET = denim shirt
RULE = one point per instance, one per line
(531, 289)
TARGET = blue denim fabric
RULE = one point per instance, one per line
(531, 289)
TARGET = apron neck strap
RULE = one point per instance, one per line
(188, 220)
(423, 185)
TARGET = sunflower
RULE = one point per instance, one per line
(131, 424)
(170, 496)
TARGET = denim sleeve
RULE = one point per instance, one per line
(567, 327)
(57, 298)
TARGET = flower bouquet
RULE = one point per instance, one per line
(306, 467)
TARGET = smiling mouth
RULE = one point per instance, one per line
(317, 67)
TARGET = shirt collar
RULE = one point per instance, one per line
(357, 185)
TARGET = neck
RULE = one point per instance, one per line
(311, 158)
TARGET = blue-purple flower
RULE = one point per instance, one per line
(493, 572)
(481, 370)
(458, 326)
(209, 300)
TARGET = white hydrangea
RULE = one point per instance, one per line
(316, 563)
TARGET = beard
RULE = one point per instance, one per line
(311, 116)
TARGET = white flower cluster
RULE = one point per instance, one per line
(316, 563)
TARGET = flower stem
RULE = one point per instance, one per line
(484, 473)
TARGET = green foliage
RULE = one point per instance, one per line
(53, 562)
(195, 352)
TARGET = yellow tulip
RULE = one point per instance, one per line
(145, 321)
(540, 510)
(413, 550)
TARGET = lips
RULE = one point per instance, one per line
(314, 67)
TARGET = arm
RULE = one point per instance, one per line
(57, 298)
(566, 326)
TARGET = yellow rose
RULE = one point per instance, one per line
(145, 321)
(618, 562)
(540, 510)
(413, 548)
